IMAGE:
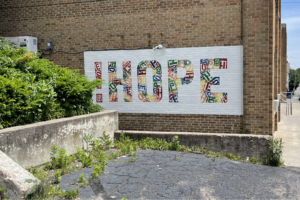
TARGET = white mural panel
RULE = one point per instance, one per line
(199, 80)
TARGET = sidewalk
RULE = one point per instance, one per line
(289, 131)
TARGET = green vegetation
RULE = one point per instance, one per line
(82, 181)
(34, 89)
(274, 158)
(253, 160)
(57, 177)
(70, 194)
(39, 173)
(1, 193)
(294, 77)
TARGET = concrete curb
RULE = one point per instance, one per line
(245, 145)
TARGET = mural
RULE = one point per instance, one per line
(174, 81)
(192, 80)
(142, 81)
(207, 80)
(126, 81)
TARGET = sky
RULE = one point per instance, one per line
(290, 15)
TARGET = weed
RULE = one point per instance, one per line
(247, 132)
(88, 138)
(132, 158)
(59, 159)
(98, 170)
(101, 156)
(230, 155)
(106, 142)
(57, 177)
(84, 157)
(175, 144)
(70, 194)
(213, 159)
(124, 198)
(39, 173)
(96, 145)
(253, 160)
(240, 131)
(274, 158)
(82, 181)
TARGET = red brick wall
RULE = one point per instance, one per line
(76, 26)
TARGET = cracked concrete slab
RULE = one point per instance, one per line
(161, 175)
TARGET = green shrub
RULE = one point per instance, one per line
(274, 158)
(34, 89)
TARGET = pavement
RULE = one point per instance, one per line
(163, 175)
(289, 131)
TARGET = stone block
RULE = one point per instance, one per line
(17, 181)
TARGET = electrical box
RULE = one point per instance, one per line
(25, 41)
(49, 45)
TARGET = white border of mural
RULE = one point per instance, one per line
(191, 98)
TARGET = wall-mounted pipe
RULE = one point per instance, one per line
(242, 22)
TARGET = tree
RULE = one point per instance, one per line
(294, 79)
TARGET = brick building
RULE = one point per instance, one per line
(77, 25)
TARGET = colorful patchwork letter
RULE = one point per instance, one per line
(98, 74)
(98, 71)
(174, 81)
(142, 81)
(207, 81)
(126, 81)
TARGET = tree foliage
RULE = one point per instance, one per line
(34, 89)
(294, 77)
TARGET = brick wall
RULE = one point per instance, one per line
(181, 123)
(283, 58)
(76, 26)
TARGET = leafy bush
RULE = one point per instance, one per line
(274, 158)
(34, 89)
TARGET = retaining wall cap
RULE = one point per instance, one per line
(15, 128)
(194, 133)
(13, 177)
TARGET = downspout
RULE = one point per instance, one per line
(241, 43)
(242, 22)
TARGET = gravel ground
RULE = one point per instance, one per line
(159, 175)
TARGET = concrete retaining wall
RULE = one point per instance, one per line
(30, 145)
(245, 145)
